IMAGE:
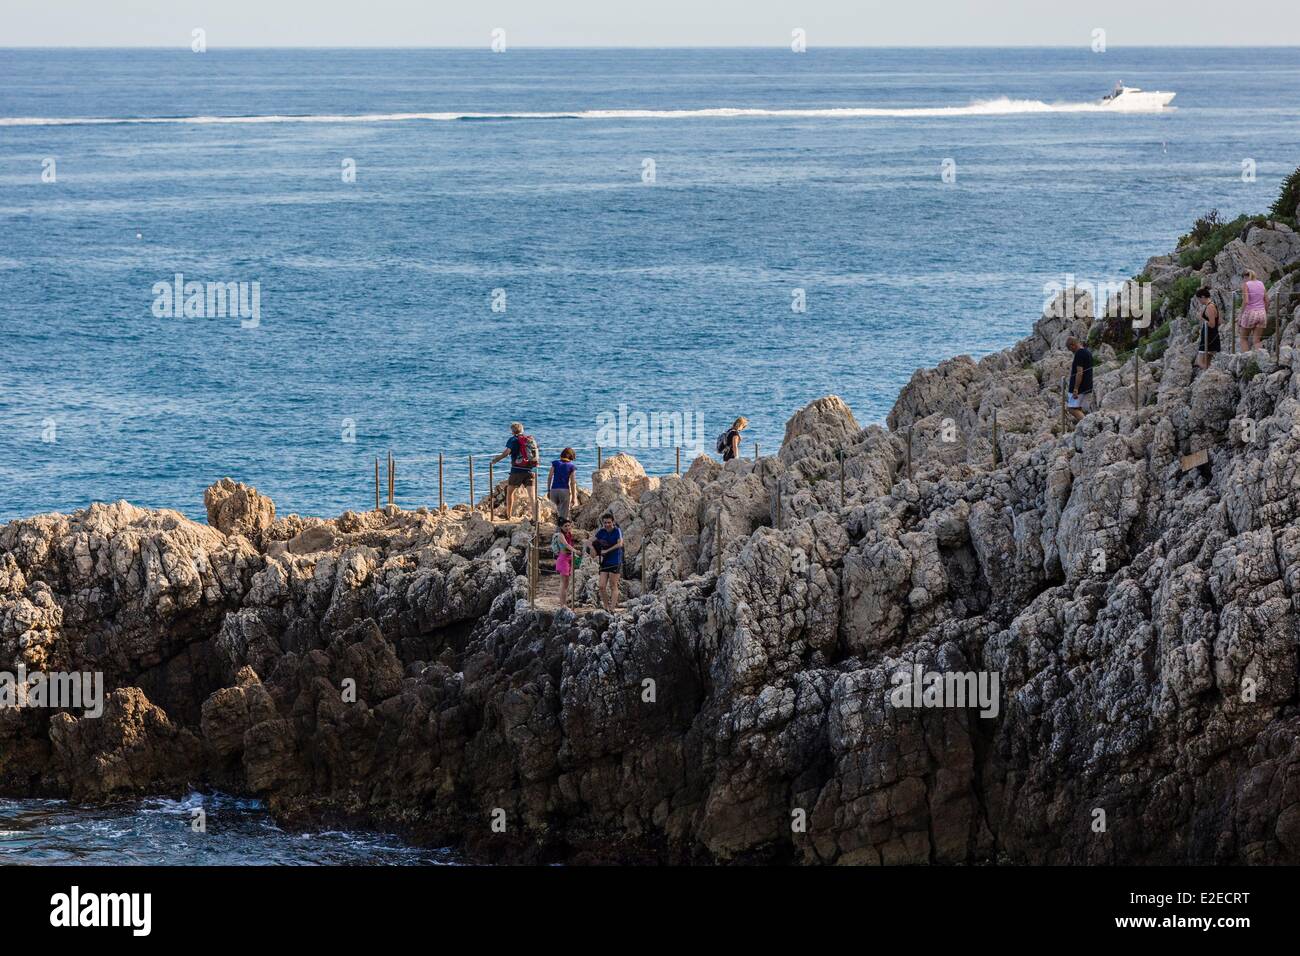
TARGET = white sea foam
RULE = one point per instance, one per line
(1001, 106)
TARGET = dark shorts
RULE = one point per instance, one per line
(611, 569)
(518, 478)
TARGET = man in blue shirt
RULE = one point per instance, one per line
(608, 546)
(523, 463)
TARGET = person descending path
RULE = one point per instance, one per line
(607, 545)
(562, 483)
(523, 464)
(729, 441)
(1210, 342)
(1080, 381)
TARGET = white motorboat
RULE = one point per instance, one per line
(1131, 98)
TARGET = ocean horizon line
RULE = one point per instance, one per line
(777, 47)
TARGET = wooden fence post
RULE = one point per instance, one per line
(441, 501)
(997, 457)
(1136, 383)
(471, 482)
(492, 490)
(376, 482)
(1277, 326)
(717, 544)
(537, 540)
(841, 477)
(679, 459)
(755, 451)
(812, 557)
(598, 458)
(1232, 321)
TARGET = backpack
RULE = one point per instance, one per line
(724, 442)
(527, 457)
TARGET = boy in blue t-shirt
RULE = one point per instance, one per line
(607, 545)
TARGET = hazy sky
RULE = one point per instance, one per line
(647, 23)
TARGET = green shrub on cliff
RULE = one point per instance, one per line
(1214, 241)
(1288, 200)
(1153, 351)
(1210, 233)
(1176, 301)
(1201, 230)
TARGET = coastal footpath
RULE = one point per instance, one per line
(1133, 582)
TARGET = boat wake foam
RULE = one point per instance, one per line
(1002, 106)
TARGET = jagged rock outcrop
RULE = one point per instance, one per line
(235, 508)
(1140, 620)
(1276, 240)
(132, 748)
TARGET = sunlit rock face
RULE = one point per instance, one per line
(1136, 619)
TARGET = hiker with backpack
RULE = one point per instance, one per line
(523, 464)
(562, 483)
(729, 441)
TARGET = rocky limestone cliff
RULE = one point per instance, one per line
(386, 667)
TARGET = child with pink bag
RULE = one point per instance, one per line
(566, 557)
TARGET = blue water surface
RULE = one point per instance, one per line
(672, 296)
(199, 830)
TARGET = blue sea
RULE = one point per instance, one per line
(199, 830)
(522, 180)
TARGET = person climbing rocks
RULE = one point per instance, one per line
(523, 464)
(1080, 381)
(1210, 341)
(729, 441)
(562, 483)
(607, 545)
(1254, 312)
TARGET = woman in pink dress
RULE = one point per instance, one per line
(1254, 313)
